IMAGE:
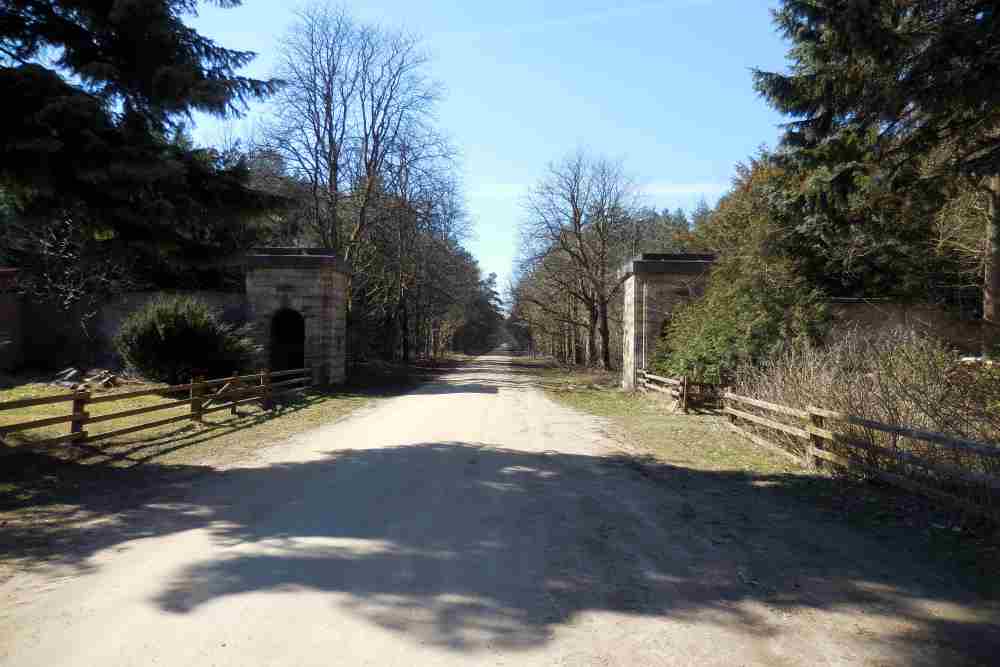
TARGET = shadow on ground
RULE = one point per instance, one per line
(469, 547)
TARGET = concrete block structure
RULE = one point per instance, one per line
(654, 285)
(297, 305)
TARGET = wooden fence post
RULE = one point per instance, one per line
(196, 403)
(815, 442)
(236, 387)
(684, 394)
(80, 399)
(265, 381)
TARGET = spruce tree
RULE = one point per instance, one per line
(95, 94)
(896, 97)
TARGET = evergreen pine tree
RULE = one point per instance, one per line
(893, 97)
(95, 92)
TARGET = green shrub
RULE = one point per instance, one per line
(746, 314)
(173, 338)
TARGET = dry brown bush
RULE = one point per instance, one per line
(897, 377)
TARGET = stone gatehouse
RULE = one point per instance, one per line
(654, 285)
(296, 302)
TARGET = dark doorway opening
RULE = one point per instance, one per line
(288, 341)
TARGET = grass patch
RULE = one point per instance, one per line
(30, 474)
(223, 438)
(700, 442)
(51, 497)
(965, 546)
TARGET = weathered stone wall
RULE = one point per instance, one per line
(964, 335)
(54, 337)
(656, 284)
(231, 306)
(313, 286)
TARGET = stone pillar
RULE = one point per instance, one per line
(631, 324)
(313, 283)
(654, 285)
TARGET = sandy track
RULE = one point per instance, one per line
(474, 521)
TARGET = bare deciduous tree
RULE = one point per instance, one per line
(354, 96)
(583, 210)
(318, 61)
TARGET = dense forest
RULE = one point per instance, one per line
(882, 186)
(102, 189)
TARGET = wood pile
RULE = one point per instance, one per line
(97, 378)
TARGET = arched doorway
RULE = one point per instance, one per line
(288, 340)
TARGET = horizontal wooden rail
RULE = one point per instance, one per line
(234, 378)
(946, 470)
(95, 437)
(921, 472)
(110, 398)
(770, 423)
(136, 412)
(764, 405)
(32, 402)
(230, 405)
(956, 444)
(297, 371)
(198, 400)
(238, 392)
(670, 381)
(39, 423)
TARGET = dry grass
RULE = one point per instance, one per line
(951, 541)
(222, 439)
(645, 421)
(898, 378)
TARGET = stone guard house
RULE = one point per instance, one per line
(296, 302)
(654, 285)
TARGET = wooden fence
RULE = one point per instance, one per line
(685, 391)
(881, 451)
(203, 396)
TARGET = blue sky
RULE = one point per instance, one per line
(663, 85)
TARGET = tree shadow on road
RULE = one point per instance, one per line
(472, 547)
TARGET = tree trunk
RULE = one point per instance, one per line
(592, 338)
(991, 284)
(406, 333)
(333, 199)
(605, 337)
(348, 323)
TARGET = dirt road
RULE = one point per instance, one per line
(471, 522)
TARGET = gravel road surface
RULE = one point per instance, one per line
(476, 522)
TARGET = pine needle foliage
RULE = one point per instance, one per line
(173, 338)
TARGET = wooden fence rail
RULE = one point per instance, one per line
(203, 398)
(817, 435)
(685, 391)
